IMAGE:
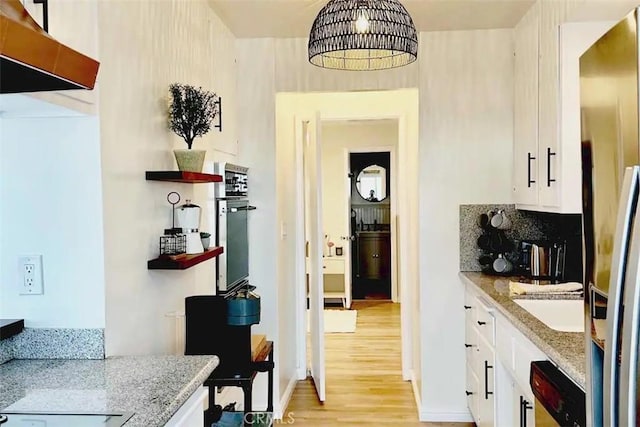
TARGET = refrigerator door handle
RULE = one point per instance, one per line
(628, 369)
(627, 207)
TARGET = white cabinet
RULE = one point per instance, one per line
(522, 407)
(74, 24)
(191, 413)
(334, 266)
(547, 164)
(498, 360)
(335, 281)
(480, 366)
(525, 150)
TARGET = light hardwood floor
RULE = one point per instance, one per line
(364, 379)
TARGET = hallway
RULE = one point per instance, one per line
(364, 380)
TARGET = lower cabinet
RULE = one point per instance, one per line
(191, 413)
(486, 399)
(374, 256)
(480, 387)
(522, 407)
(497, 378)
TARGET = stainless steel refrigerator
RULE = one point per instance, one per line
(609, 76)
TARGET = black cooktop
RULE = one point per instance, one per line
(34, 419)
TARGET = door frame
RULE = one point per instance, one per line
(391, 149)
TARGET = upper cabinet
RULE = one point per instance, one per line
(525, 150)
(74, 24)
(547, 166)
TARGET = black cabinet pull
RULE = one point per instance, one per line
(486, 380)
(481, 323)
(45, 13)
(467, 307)
(469, 393)
(524, 406)
(468, 345)
(549, 154)
(529, 180)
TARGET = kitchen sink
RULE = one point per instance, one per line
(561, 315)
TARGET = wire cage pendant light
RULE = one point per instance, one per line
(363, 35)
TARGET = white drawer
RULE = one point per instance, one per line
(485, 321)
(333, 266)
(504, 344)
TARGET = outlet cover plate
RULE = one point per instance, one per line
(30, 277)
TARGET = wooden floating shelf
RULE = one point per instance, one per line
(179, 176)
(182, 262)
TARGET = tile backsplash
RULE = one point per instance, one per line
(525, 225)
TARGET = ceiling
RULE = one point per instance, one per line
(293, 18)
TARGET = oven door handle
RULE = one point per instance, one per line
(242, 208)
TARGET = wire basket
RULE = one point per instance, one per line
(173, 244)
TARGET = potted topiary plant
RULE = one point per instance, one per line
(190, 114)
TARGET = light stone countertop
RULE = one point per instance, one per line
(565, 349)
(152, 387)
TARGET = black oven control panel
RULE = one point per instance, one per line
(235, 181)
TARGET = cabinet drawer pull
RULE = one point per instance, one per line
(467, 307)
(524, 406)
(481, 323)
(45, 13)
(486, 380)
(549, 154)
(529, 180)
(468, 345)
(469, 393)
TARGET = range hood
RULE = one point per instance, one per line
(32, 61)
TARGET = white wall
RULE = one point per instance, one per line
(466, 136)
(145, 46)
(256, 133)
(50, 188)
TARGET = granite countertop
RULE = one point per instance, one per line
(565, 349)
(152, 387)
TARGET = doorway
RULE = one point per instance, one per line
(370, 224)
(292, 109)
(358, 157)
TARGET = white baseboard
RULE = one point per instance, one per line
(302, 374)
(286, 397)
(452, 417)
(416, 392)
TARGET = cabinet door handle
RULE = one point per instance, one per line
(486, 380)
(481, 323)
(45, 13)
(529, 180)
(524, 406)
(468, 345)
(467, 307)
(469, 393)
(549, 154)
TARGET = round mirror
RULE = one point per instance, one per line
(372, 183)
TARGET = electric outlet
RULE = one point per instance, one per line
(30, 274)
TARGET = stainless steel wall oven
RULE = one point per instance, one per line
(232, 231)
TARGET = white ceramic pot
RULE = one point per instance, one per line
(205, 242)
